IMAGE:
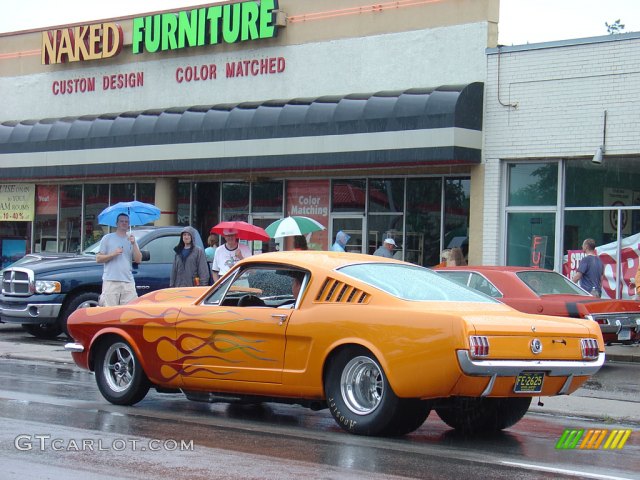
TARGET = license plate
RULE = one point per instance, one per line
(529, 382)
(624, 334)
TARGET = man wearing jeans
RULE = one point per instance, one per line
(117, 251)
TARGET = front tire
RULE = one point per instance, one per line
(358, 393)
(119, 374)
(45, 331)
(483, 415)
(83, 300)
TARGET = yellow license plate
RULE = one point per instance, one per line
(529, 382)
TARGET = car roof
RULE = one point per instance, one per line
(311, 259)
(497, 268)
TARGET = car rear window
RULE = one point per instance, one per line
(412, 283)
(550, 283)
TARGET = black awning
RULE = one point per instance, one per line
(418, 109)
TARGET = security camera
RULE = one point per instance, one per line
(597, 158)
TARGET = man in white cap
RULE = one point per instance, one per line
(386, 249)
(229, 254)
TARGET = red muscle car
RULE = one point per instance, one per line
(535, 290)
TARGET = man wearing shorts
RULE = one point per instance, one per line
(117, 251)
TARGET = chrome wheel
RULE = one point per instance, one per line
(119, 367)
(362, 385)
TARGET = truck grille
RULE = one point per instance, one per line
(17, 281)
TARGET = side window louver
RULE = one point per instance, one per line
(335, 291)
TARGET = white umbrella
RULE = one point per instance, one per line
(292, 226)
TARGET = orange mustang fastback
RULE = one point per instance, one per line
(379, 342)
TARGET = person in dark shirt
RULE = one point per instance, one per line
(591, 270)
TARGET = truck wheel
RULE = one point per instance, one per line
(358, 393)
(43, 330)
(119, 374)
(83, 300)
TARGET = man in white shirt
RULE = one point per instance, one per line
(229, 254)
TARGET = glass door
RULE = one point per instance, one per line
(273, 245)
(352, 226)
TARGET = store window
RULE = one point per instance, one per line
(146, 192)
(386, 208)
(206, 205)
(184, 203)
(530, 239)
(122, 192)
(532, 184)
(424, 216)
(235, 201)
(70, 219)
(45, 225)
(267, 197)
(96, 199)
(348, 195)
(456, 213)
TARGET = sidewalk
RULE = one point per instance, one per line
(601, 405)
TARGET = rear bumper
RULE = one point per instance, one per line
(495, 369)
(511, 368)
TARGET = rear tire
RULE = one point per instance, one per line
(358, 393)
(483, 415)
(410, 416)
(119, 374)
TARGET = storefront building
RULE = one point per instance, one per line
(367, 117)
(561, 156)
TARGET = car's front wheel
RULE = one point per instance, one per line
(483, 415)
(358, 393)
(119, 374)
(82, 300)
(43, 330)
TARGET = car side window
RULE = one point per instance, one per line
(161, 249)
(264, 286)
(480, 283)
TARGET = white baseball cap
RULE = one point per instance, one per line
(390, 241)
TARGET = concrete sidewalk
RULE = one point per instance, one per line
(601, 405)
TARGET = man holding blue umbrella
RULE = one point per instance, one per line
(117, 251)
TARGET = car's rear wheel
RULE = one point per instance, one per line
(410, 415)
(483, 415)
(358, 393)
(43, 330)
(119, 375)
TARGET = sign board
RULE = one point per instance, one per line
(17, 202)
(616, 197)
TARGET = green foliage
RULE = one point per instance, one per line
(615, 27)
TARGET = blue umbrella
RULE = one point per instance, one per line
(139, 213)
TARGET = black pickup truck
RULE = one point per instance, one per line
(41, 291)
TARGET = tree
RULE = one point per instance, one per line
(615, 27)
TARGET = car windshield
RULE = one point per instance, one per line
(94, 248)
(413, 283)
(550, 283)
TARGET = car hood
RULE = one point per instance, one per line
(173, 296)
(64, 261)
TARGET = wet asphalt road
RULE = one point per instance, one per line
(55, 424)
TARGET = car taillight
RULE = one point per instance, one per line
(479, 346)
(589, 348)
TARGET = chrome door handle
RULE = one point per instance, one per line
(281, 316)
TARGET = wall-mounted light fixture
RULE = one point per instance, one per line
(597, 157)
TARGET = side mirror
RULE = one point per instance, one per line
(146, 256)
